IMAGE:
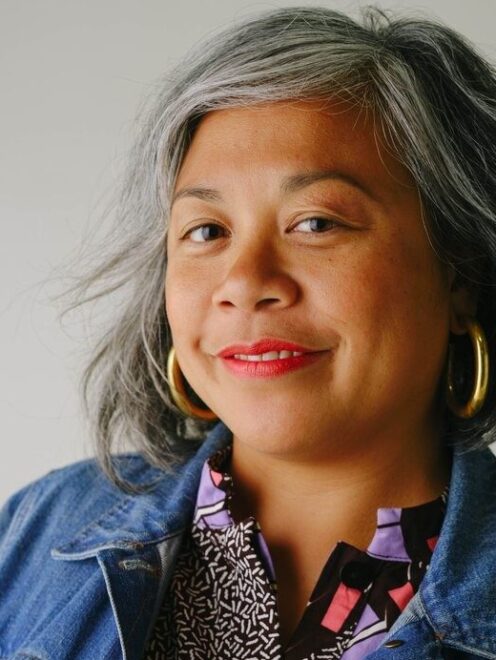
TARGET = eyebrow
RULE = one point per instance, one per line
(289, 184)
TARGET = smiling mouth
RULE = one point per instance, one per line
(267, 357)
(271, 364)
(266, 348)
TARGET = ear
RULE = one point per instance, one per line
(464, 299)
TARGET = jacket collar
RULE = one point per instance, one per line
(137, 520)
(455, 594)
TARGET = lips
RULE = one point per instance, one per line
(264, 346)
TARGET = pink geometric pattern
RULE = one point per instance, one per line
(402, 595)
(342, 604)
(432, 542)
(216, 477)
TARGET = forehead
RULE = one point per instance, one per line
(292, 135)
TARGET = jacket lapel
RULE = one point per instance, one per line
(136, 542)
(453, 614)
(459, 594)
(136, 583)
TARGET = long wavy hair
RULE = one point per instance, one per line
(433, 101)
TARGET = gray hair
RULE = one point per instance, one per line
(434, 100)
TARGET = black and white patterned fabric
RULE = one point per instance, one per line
(223, 605)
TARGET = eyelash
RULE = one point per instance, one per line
(334, 223)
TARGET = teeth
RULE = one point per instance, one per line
(265, 357)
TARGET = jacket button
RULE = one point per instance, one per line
(393, 643)
(357, 574)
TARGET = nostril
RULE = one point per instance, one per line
(246, 289)
(267, 301)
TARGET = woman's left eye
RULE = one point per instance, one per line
(320, 225)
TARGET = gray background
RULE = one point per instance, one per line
(72, 75)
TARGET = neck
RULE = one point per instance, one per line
(335, 496)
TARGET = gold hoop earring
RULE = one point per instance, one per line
(481, 380)
(178, 390)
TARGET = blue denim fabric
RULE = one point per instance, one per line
(84, 567)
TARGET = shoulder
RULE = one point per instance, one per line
(75, 500)
(74, 477)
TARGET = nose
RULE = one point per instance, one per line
(256, 278)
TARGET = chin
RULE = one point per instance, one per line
(278, 438)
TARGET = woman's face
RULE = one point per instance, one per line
(339, 263)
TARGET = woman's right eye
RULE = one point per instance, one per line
(202, 233)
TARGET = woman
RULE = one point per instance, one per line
(303, 363)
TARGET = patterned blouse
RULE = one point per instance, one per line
(222, 599)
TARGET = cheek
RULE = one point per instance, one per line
(176, 291)
(359, 289)
(385, 293)
(185, 298)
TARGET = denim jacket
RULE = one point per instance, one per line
(84, 567)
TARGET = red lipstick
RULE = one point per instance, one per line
(264, 346)
(274, 365)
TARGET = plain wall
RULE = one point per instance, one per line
(72, 76)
